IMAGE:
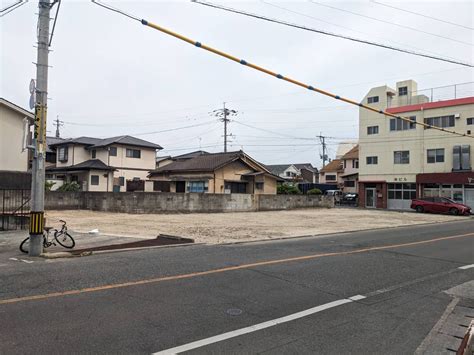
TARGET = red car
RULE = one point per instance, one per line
(439, 205)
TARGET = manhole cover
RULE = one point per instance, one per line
(234, 312)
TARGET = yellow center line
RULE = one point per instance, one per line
(221, 270)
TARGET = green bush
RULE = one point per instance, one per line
(286, 189)
(69, 187)
(48, 185)
(314, 192)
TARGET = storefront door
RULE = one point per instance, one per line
(370, 197)
(469, 197)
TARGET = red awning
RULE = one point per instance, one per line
(446, 178)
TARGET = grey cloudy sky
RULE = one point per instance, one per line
(112, 76)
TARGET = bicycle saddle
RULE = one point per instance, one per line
(47, 229)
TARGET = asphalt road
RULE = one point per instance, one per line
(152, 300)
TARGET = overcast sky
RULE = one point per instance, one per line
(112, 76)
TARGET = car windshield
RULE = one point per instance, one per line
(444, 199)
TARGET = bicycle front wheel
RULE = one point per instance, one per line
(65, 240)
(25, 246)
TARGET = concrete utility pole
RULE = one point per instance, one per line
(37, 173)
(223, 114)
(58, 123)
(323, 156)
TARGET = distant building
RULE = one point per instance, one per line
(332, 173)
(304, 172)
(165, 160)
(219, 173)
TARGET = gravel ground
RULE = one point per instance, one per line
(243, 226)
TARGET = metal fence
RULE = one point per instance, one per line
(14, 208)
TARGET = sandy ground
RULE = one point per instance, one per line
(245, 226)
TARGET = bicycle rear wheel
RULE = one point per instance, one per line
(25, 246)
(65, 240)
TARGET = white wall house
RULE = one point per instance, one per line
(103, 164)
(12, 127)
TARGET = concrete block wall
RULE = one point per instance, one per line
(153, 202)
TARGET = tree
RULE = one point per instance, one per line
(286, 189)
(314, 192)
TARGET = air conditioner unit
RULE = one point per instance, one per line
(457, 116)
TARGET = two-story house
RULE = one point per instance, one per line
(103, 164)
(350, 176)
(401, 160)
(304, 172)
(15, 125)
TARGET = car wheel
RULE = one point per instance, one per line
(454, 211)
(419, 209)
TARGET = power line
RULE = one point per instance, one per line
(347, 28)
(172, 129)
(310, 29)
(390, 23)
(422, 15)
(12, 7)
(292, 81)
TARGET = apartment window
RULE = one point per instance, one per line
(372, 160)
(435, 156)
(401, 157)
(197, 186)
(345, 164)
(330, 177)
(442, 121)
(355, 164)
(461, 157)
(373, 130)
(94, 179)
(372, 99)
(63, 154)
(259, 185)
(94, 153)
(349, 183)
(403, 91)
(113, 151)
(470, 121)
(122, 180)
(398, 124)
(133, 153)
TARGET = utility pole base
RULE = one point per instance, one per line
(36, 245)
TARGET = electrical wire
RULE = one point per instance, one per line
(310, 29)
(173, 129)
(347, 28)
(12, 7)
(390, 23)
(422, 15)
(54, 23)
(290, 80)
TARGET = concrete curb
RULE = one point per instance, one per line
(326, 235)
(68, 254)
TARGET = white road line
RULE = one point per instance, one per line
(466, 267)
(256, 327)
(13, 259)
(357, 297)
(27, 261)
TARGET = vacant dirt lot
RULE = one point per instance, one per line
(246, 226)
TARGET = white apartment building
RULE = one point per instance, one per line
(399, 160)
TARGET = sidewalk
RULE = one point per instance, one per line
(10, 241)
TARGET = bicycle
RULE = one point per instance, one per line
(61, 236)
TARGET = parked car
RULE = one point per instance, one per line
(439, 205)
(333, 192)
(350, 198)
